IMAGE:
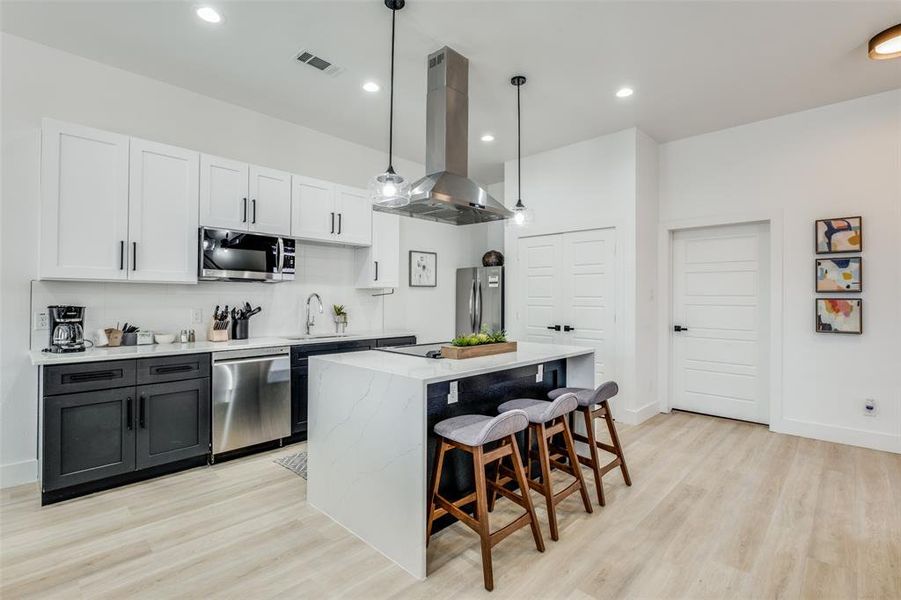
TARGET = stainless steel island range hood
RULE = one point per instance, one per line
(446, 194)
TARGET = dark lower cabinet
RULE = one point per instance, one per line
(88, 436)
(173, 422)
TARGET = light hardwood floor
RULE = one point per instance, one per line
(718, 509)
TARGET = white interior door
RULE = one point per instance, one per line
(162, 213)
(568, 280)
(720, 299)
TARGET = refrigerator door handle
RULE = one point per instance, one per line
(472, 310)
(479, 308)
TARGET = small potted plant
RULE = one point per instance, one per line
(340, 318)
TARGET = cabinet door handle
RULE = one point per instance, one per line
(141, 402)
(333, 222)
(376, 270)
(121, 255)
(134, 256)
(254, 218)
(129, 414)
(339, 223)
(244, 218)
(173, 369)
(91, 376)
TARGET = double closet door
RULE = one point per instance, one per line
(567, 291)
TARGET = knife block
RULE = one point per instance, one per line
(216, 335)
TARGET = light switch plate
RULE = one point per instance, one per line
(452, 397)
(539, 376)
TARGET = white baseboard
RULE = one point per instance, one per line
(18, 473)
(632, 416)
(840, 435)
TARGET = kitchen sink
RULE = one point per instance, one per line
(317, 336)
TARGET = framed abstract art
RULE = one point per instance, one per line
(839, 315)
(843, 234)
(837, 274)
(423, 269)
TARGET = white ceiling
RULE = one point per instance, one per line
(695, 66)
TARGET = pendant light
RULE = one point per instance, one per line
(389, 189)
(521, 215)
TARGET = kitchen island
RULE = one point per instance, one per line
(370, 431)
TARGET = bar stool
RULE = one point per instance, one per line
(588, 399)
(470, 433)
(546, 420)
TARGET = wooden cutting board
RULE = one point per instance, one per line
(460, 352)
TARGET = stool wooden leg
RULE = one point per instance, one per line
(482, 516)
(492, 495)
(436, 482)
(611, 427)
(595, 461)
(523, 484)
(574, 461)
(546, 486)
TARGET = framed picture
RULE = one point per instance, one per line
(844, 234)
(839, 274)
(839, 315)
(423, 269)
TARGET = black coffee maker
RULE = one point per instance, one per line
(66, 329)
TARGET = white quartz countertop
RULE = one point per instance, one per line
(431, 370)
(150, 350)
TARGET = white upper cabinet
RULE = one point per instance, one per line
(379, 265)
(270, 201)
(224, 201)
(326, 212)
(162, 213)
(84, 203)
(354, 216)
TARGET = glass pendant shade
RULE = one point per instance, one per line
(521, 214)
(389, 190)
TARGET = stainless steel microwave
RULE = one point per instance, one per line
(227, 255)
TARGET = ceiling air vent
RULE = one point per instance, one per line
(319, 63)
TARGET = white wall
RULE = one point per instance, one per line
(38, 81)
(608, 181)
(837, 160)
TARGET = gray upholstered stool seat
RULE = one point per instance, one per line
(476, 430)
(587, 396)
(542, 411)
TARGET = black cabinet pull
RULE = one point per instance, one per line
(173, 369)
(568, 328)
(134, 256)
(339, 223)
(333, 222)
(129, 414)
(244, 218)
(94, 376)
(121, 255)
(376, 270)
(141, 402)
(554, 327)
(679, 328)
(254, 218)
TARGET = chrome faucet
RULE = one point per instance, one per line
(311, 318)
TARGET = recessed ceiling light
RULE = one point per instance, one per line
(487, 138)
(371, 86)
(886, 44)
(624, 92)
(209, 14)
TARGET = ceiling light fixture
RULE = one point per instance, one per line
(886, 44)
(520, 212)
(487, 138)
(209, 14)
(390, 189)
(624, 92)
(371, 87)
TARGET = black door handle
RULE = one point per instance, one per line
(554, 327)
(333, 222)
(141, 421)
(254, 218)
(134, 256)
(679, 328)
(376, 270)
(339, 223)
(568, 328)
(121, 255)
(129, 414)
(244, 218)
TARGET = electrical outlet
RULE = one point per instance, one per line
(40, 321)
(870, 407)
(196, 316)
(452, 397)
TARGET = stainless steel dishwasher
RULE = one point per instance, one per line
(251, 397)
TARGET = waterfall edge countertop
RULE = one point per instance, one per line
(369, 430)
(431, 370)
(150, 350)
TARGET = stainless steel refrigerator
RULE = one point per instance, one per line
(480, 299)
